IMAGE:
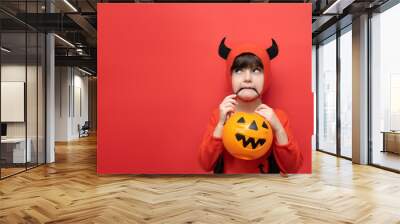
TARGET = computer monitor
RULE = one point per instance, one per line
(3, 129)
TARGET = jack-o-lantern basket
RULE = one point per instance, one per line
(247, 136)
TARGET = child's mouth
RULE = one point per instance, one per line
(255, 90)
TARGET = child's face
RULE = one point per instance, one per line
(248, 83)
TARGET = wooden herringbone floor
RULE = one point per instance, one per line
(70, 191)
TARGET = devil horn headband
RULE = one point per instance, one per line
(223, 50)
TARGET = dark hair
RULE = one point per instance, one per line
(247, 60)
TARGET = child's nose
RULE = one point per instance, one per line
(247, 75)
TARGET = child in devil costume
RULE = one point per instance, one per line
(248, 67)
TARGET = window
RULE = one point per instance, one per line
(385, 88)
(327, 95)
(346, 93)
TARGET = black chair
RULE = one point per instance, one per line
(84, 130)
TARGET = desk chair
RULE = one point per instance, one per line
(84, 130)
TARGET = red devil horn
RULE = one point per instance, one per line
(273, 50)
(223, 50)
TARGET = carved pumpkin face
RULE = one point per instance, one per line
(247, 136)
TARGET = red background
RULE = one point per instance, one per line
(160, 77)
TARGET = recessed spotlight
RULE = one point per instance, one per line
(84, 71)
(70, 5)
(5, 50)
(64, 40)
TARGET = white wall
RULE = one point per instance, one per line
(61, 103)
(16, 73)
(12, 73)
(79, 117)
(34, 125)
(71, 94)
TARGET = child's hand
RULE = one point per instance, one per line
(226, 107)
(269, 115)
(279, 131)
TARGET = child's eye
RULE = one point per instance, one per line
(238, 70)
(256, 70)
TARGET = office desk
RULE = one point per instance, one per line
(13, 150)
(391, 141)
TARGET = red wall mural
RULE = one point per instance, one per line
(160, 78)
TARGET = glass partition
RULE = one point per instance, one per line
(22, 78)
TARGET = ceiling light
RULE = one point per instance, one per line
(70, 5)
(84, 71)
(64, 40)
(5, 50)
(337, 7)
